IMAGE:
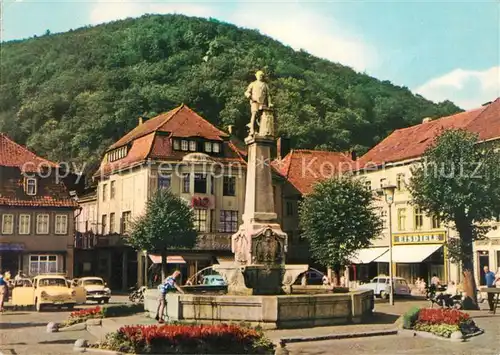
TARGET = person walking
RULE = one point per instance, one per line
(4, 289)
(490, 279)
(168, 285)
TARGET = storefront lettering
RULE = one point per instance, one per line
(418, 238)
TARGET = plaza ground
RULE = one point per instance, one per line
(24, 332)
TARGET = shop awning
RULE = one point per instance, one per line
(409, 253)
(367, 255)
(156, 259)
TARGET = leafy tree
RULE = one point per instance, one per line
(166, 224)
(459, 181)
(338, 218)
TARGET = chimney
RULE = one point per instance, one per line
(140, 120)
(282, 147)
(427, 119)
(230, 129)
(354, 156)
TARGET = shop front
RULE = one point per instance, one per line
(418, 255)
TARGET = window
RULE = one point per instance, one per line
(184, 145)
(30, 186)
(112, 190)
(164, 180)
(111, 223)
(383, 216)
(186, 183)
(229, 186)
(382, 281)
(192, 146)
(43, 264)
(200, 220)
(7, 224)
(368, 185)
(42, 224)
(104, 191)
(126, 219)
(177, 144)
(401, 219)
(216, 147)
(289, 208)
(104, 219)
(117, 154)
(419, 218)
(200, 183)
(400, 182)
(208, 147)
(61, 224)
(228, 221)
(436, 222)
(24, 224)
(383, 182)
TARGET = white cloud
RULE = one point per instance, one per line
(291, 24)
(466, 88)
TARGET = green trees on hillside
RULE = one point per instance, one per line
(69, 96)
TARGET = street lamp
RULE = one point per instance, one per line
(389, 199)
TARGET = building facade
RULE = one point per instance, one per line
(419, 240)
(36, 213)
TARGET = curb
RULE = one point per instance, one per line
(339, 336)
(416, 333)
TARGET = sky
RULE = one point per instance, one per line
(441, 49)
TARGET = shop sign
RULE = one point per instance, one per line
(201, 202)
(419, 238)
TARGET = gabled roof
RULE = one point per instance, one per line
(410, 143)
(303, 168)
(153, 140)
(181, 122)
(16, 156)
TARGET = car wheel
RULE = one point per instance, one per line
(106, 300)
(71, 306)
(38, 306)
(384, 295)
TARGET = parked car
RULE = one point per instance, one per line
(380, 286)
(96, 289)
(48, 290)
(213, 280)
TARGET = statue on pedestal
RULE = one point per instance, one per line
(260, 106)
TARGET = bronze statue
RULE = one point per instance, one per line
(260, 100)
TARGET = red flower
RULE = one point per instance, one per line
(442, 316)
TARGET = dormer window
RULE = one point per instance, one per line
(208, 147)
(216, 147)
(117, 154)
(184, 145)
(30, 186)
(177, 144)
(192, 146)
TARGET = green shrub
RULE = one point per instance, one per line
(122, 310)
(410, 318)
(443, 330)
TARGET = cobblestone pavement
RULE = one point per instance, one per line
(24, 332)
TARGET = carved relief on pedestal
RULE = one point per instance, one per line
(268, 247)
(240, 247)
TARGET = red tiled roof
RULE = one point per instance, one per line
(15, 155)
(303, 168)
(411, 142)
(153, 139)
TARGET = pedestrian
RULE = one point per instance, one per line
(435, 280)
(490, 279)
(168, 285)
(4, 290)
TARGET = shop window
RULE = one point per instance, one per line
(419, 218)
(229, 186)
(61, 224)
(436, 222)
(186, 182)
(42, 224)
(401, 219)
(400, 182)
(200, 183)
(7, 224)
(43, 264)
(24, 224)
(200, 220)
(228, 221)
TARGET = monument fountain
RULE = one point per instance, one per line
(259, 281)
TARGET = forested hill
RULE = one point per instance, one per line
(68, 96)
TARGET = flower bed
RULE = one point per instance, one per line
(439, 321)
(84, 314)
(187, 339)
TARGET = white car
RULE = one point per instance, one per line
(95, 288)
(380, 286)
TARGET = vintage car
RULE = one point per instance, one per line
(48, 290)
(95, 288)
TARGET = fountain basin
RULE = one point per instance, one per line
(268, 312)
